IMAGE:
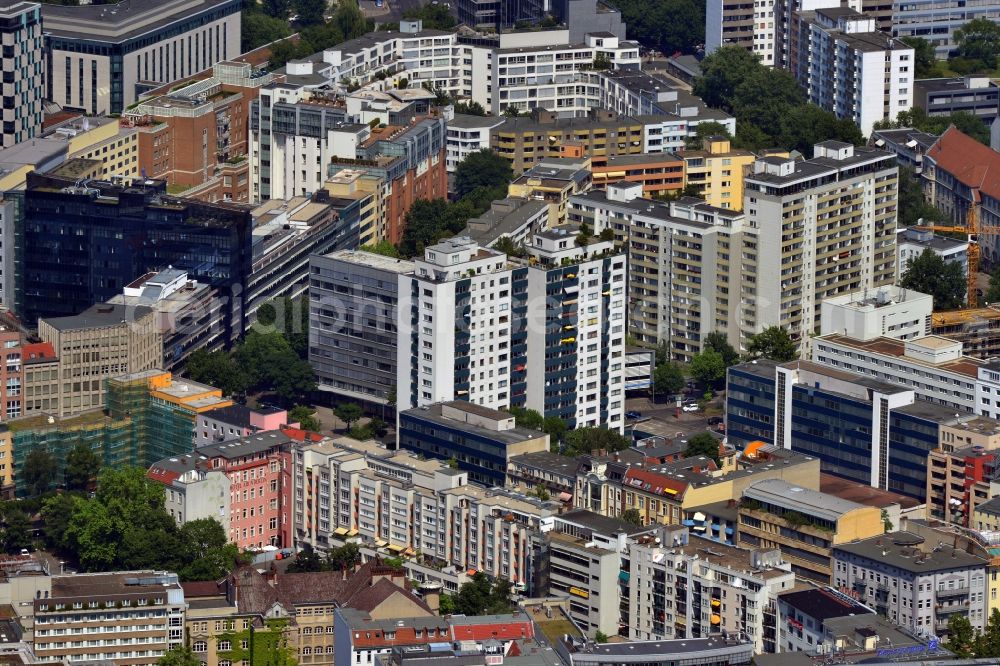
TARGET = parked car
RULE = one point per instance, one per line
(690, 407)
(633, 414)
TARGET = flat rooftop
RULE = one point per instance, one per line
(861, 494)
(891, 347)
(109, 584)
(910, 552)
(607, 525)
(125, 20)
(781, 493)
(373, 260)
(433, 413)
(823, 604)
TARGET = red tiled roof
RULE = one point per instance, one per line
(164, 476)
(39, 350)
(201, 588)
(300, 435)
(970, 162)
(653, 482)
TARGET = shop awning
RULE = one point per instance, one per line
(565, 497)
(699, 516)
(352, 532)
(340, 531)
(624, 576)
(409, 551)
(396, 549)
(380, 543)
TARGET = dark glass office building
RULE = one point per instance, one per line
(83, 241)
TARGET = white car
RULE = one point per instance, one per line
(690, 407)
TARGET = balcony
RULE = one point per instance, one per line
(957, 592)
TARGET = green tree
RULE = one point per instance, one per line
(600, 637)
(886, 521)
(434, 17)
(703, 131)
(668, 378)
(993, 292)
(722, 72)
(470, 108)
(556, 429)
(541, 492)
(988, 643)
(217, 369)
(258, 29)
(56, 513)
(384, 248)
(960, 636)
(124, 526)
(717, 341)
(275, 8)
(311, 12)
(479, 596)
(703, 444)
(16, 530)
(39, 472)
(773, 343)
(707, 367)
(343, 557)
(179, 655)
(923, 55)
(349, 413)
(668, 25)
(943, 280)
(802, 127)
(979, 39)
(913, 208)
(305, 417)
(307, 561)
(512, 112)
(527, 418)
(207, 548)
(349, 19)
(584, 440)
(632, 516)
(82, 467)
(483, 168)
(507, 246)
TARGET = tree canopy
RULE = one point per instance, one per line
(773, 343)
(913, 208)
(668, 378)
(718, 342)
(708, 366)
(585, 440)
(434, 16)
(39, 472)
(483, 168)
(769, 106)
(179, 655)
(943, 280)
(125, 526)
(917, 118)
(670, 26)
(979, 40)
(480, 597)
(703, 444)
(923, 54)
(82, 467)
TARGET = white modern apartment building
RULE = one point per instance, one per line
(751, 24)
(101, 58)
(23, 64)
(831, 223)
(467, 134)
(395, 502)
(847, 67)
(889, 311)
(547, 335)
(692, 267)
(700, 586)
(932, 366)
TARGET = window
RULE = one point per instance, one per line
(225, 646)
(200, 646)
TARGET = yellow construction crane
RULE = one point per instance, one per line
(972, 232)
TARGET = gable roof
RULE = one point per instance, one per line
(971, 163)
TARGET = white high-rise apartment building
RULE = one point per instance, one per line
(847, 67)
(23, 63)
(547, 335)
(831, 226)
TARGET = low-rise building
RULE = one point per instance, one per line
(907, 144)
(514, 218)
(481, 441)
(803, 524)
(130, 618)
(978, 329)
(961, 470)
(977, 95)
(553, 471)
(911, 243)
(660, 174)
(235, 421)
(554, 181)
(192, 490)
(916, 583)
(466, 135)
(720, 649)
(889, 312)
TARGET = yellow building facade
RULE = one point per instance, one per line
(717, 171)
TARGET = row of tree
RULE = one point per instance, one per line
(577, 442)
(267, 23)
(967, 643)
(708, 367)
(917, 118)
(124, 526)
(480, 178)
(769, 105)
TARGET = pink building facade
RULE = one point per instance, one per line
(259, 467)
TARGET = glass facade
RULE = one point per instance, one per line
(750, 404)
(82, 244)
